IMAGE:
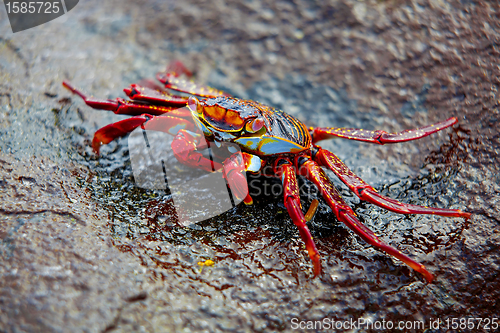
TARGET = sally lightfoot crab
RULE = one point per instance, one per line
(269, 139)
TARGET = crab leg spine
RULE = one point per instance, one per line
(379, 137)
(292, 204)
(344, 213)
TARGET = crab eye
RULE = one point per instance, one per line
(193, 104)
(254, 125)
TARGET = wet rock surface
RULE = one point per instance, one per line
(83, 249)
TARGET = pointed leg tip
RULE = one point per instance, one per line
(428, 276)
(465, 215)
(248, 200)
(66, 85)
(316, 265)
(317, 269)
(70, 87)
(96, 146)
(422, 270)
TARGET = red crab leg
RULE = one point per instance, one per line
(119, 105)
(145, 94)
(368, 193)
(345, 214)
(379, 137)
(185, 147)
(292, 204)
(172, 82)
(112, 131)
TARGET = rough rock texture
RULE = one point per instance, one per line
(84, 250)
(59, 266)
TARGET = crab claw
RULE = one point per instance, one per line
(112, 131)
(234, 172)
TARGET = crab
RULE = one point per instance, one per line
(269, 139)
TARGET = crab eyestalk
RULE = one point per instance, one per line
(254, 125)
(193, 105)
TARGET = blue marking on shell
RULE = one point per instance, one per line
(268, 145)
(249, 143)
